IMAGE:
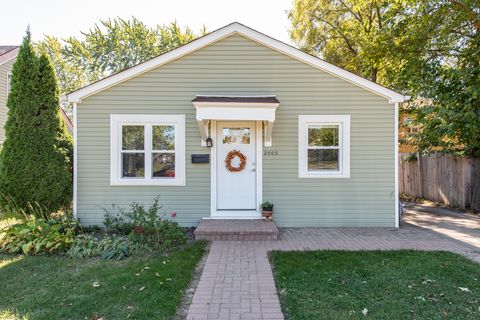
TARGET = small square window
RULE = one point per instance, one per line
(163, 138)
(236, 135)
(163, 165)
(324, 146)
(147, 150)
(133, 137)
(133, 165)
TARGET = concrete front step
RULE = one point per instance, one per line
(236, 229)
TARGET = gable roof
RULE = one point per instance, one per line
(67, 120)
(7, 53)
(4, 49)
(234, 28)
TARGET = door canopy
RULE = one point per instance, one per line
(236, 108)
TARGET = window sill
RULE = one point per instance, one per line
(139, 182)
(337, 175)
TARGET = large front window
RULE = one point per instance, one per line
(324, 146)
(147, 150)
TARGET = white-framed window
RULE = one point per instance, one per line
(324, 146)
(147, 150)
(9, 79)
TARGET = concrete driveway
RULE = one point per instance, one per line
(454, 224)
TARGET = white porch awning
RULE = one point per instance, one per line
(238, 108)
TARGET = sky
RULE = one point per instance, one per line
(64, 18)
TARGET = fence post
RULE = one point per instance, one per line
(475, 184)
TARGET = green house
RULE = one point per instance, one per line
(219, 125)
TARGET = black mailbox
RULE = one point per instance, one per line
(200, 158)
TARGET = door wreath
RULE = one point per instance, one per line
(232, 155)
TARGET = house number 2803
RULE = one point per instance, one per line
(270, 153)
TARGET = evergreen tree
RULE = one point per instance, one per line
(36, 155)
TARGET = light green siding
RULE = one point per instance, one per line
(239, 66)
(5, 69)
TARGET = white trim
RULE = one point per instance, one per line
(234, 28)
(236, 214)
(213, 169)
(75, 160)
(236, 111)
(268, 133)
(343, 121)
(396, 195)
(116, 123)
(259, 165)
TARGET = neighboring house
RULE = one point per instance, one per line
(67, 121)
(7, 58)
(8, 55)
(316, 140)
(407, 128)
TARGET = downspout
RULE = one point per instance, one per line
(396, 195)
(75, 153)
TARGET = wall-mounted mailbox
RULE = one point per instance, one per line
(200, 158)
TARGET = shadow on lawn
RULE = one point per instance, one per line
(54, 287)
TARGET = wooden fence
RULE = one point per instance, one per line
(442, 178)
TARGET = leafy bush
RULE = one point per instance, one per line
(136, 215)
(147, 227)
(110, 247)
(38, 235)
(84, 246)
(114, 247)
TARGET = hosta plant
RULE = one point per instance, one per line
(37, 235)
(110, 247)
(84, 246)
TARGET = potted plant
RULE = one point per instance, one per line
(267, 209)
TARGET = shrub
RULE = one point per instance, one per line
(114, 247)
(84, 246)
(38, 235)
(36, 154)
(110, 247)
(147, 228)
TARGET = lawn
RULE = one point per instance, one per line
(42, 287)
(377, 285)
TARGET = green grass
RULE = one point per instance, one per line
(149, 287)
(389, 284)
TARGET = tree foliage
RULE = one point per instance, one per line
(109, 47)
(428, 49)
(452, 121)
(36, 166)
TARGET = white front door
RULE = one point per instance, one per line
(236, 186)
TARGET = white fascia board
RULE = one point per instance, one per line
(392, 96)
(235, 111)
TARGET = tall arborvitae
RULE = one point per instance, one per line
(36, 154)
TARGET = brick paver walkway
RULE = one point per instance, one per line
(237, 281)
